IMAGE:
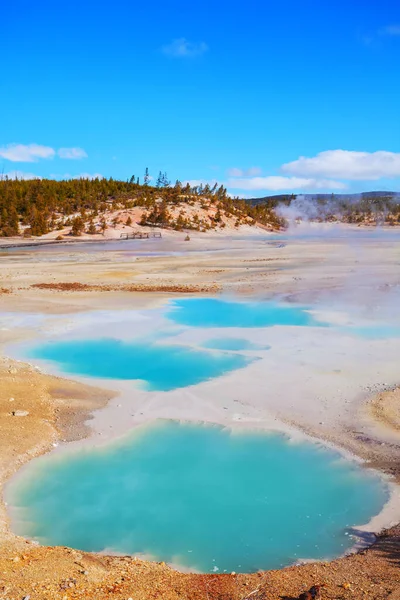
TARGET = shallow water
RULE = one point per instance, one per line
(212, 312)
(376, 332)
(197, 496)
(157, 366)
(234, 344)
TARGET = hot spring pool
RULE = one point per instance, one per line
(197, 496)
(161, 367)
(214, 312)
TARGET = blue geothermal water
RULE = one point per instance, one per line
(212, 312)
(197, 496)
(233, 344)
(158, 366)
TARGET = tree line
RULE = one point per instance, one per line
(41, 205)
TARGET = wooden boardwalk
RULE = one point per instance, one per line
(140, 235)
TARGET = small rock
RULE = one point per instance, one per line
(11, 399)
(26, 597)
(20, 413)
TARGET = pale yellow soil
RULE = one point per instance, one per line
(385, 408)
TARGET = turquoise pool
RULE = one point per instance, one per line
(157, 366)
(198, 496)
(213, 312)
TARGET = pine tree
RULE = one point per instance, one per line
(160, 180)
(103, 225)
(146, 177)
(78, 226)
(92, 228)
(164, 179)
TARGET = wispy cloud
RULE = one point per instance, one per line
(197, 182)
(72, 153)
(19, 175)
(36, 152)
(182, 48)
(390, 30)
(78, 176)
(26, 153)
(251, 172)
(277, 183)
(346, 164)
(86, 176)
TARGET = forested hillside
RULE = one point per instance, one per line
(35, 207)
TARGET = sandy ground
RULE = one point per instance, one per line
(352, 405)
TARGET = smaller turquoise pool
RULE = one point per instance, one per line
(160, 367)
(212, 312)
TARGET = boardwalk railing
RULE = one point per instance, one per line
(140, 235)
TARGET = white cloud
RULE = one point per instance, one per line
(19, 175)
(197, 182)
(251, 172)
(278, 183)
(182, 48)
(81, 176)
(390, 30)
(35, 152)
(72, 153)
(346, 164)
(26, 153)
(88, 176)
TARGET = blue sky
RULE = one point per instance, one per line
(265, 97)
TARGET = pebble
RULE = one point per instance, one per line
(20, 413)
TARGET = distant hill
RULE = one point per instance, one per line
(287, 198)
(367, 208)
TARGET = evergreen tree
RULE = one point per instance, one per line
(78, 226)
(103, 225)
(92, 228)
(160, 180)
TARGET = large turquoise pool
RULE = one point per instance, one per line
(198, 496)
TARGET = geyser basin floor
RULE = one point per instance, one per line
(199, 497)
(159, 367)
